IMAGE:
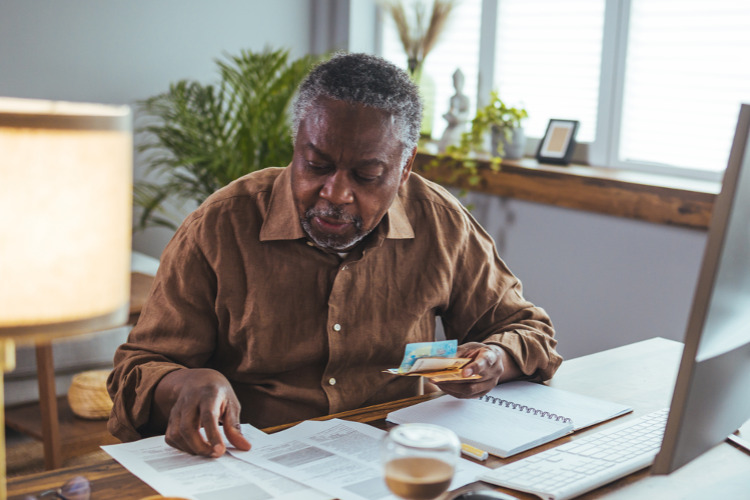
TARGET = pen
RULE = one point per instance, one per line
(473, 452)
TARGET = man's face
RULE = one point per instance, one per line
(346, 172)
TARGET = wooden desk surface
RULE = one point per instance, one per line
(641, 375)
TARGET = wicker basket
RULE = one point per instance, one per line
(88, 397)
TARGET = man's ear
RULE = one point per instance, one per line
(407, 168)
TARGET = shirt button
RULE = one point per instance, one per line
(337, 327)
(332, 381)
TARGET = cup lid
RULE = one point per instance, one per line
(424, 436)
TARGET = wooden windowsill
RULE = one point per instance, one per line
(642, 196)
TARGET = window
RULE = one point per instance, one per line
(655, 84)
(458, 47)
(687, 70)
(549, 59)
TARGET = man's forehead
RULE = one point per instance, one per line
(329, 122)
(326, 106)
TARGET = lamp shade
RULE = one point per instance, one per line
(65, 217)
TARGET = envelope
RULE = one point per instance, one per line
(437, 369)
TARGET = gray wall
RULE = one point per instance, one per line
(605, 281)
(119, 52)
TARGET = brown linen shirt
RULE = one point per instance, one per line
(300, 332)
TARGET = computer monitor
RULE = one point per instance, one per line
(712, 394)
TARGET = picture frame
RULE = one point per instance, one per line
(558, 143)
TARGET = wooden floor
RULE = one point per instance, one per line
(25, 452)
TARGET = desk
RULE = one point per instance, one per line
(52, 421)
(641, 375)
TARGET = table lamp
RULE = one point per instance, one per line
(65, 224)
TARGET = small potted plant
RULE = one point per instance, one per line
(505, 125)
(459, 162)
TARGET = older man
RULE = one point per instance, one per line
(286, 294)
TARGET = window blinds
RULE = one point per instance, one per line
(687, 71)
(458, 48)
(548, 58)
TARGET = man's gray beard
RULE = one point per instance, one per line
(331, 242)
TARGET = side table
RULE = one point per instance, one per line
(46, 420)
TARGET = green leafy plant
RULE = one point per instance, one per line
(462, 158)
(198, 138)
(495, 115)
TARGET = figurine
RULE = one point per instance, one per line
(457, 115)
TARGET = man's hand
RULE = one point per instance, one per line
(195, 398)
(488, 360)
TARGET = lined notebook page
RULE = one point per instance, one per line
(513, 417)
(499, 430)
(584, 411)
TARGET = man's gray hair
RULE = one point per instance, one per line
(370, 81)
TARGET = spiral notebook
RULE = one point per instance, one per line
(513, 417)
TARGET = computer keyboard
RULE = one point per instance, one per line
(587, 463)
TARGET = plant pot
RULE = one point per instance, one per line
(513, 146)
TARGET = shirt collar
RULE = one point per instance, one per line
(399, 226)
(282, 220)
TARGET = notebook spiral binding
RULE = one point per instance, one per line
(527, 409)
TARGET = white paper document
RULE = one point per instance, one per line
(175, 473)
(330, 459)
(338, 457)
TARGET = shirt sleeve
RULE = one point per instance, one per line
(176, 330)
(487, 305)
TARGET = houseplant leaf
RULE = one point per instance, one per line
(197, 138)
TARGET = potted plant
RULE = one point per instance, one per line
(503, 122)
(197, 138)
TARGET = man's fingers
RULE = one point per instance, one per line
(231, 420)
(172, 435)
(472, 389)
(483, 360)
(210, 423)
(204, 399)
(486, 362)
(234, 435)
(183, 432)
(232, 428)
(469, 370)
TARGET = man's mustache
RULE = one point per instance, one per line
(334, 213)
